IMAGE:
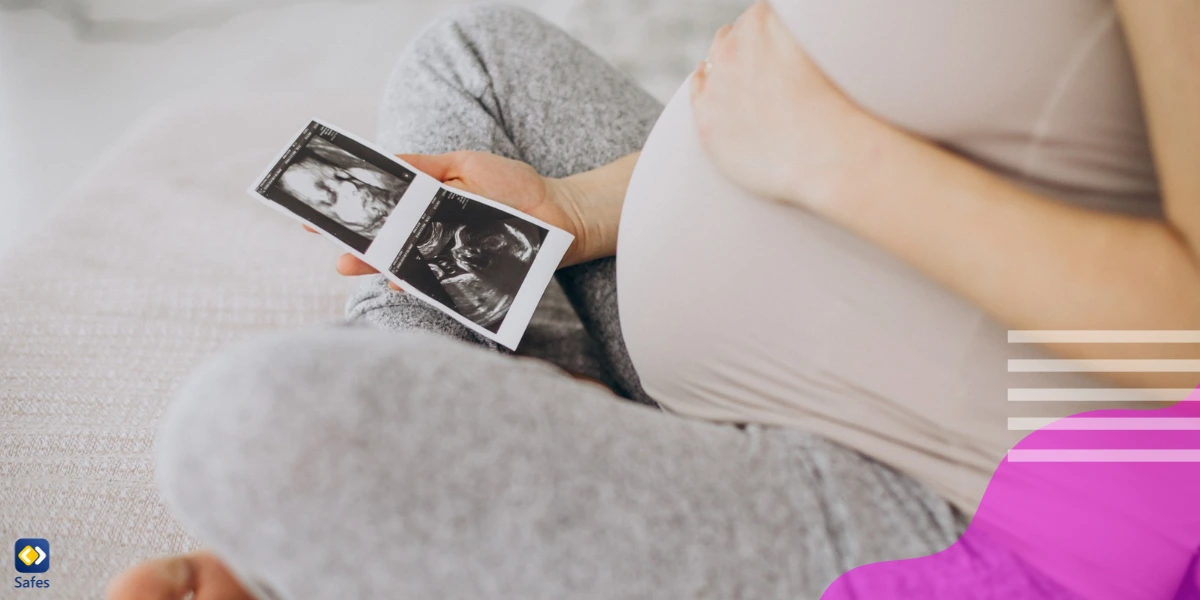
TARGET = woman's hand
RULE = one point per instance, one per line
(507, 181)
(770, 119)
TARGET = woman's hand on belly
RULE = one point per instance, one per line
(774, 124)
(771, 120)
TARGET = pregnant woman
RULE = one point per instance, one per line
(822, 243)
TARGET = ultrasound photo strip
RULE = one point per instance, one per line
(480, 261)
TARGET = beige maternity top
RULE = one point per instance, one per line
(742, 310)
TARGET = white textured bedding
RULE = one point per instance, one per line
(156, 260)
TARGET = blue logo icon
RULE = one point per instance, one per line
(32, 555)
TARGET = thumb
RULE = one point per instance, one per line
(459, 184)
(439, 166)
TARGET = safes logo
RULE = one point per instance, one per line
(31, 555)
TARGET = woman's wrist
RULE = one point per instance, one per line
(592, 202)
(575, 205)
(848, 160)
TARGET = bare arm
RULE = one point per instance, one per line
(1164, 37)
(1035, 263)
(775, 124)
(596, 198)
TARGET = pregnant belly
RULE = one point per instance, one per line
(711, 276)
(738, 309)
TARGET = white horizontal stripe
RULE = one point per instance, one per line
(1165, 365)
(1104, 424)
(1101, 336)
(1113, 456)
(1098, 394)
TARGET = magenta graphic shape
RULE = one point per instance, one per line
(1103, 505)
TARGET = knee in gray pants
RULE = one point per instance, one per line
(280, 448)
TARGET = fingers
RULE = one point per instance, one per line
(699, 78)
(755, 15)
(458, 184)
(726, 41)
(201, 574)
(163, 579)
(350, 266)
(720, 44)
(719, 40)
(214, 581)
(438, 166)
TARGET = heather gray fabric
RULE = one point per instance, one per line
(358, 463)
(501, 80)
(381, 461)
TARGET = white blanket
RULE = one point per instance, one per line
(157, 260)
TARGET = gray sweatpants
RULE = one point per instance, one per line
(404, 458)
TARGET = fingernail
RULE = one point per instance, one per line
(178, 572)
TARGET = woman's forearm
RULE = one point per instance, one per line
(773, 123)
(1164, 39)
(1035, 263)
(1031, 262)
(595, 198)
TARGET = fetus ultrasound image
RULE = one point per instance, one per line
(469, 256)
